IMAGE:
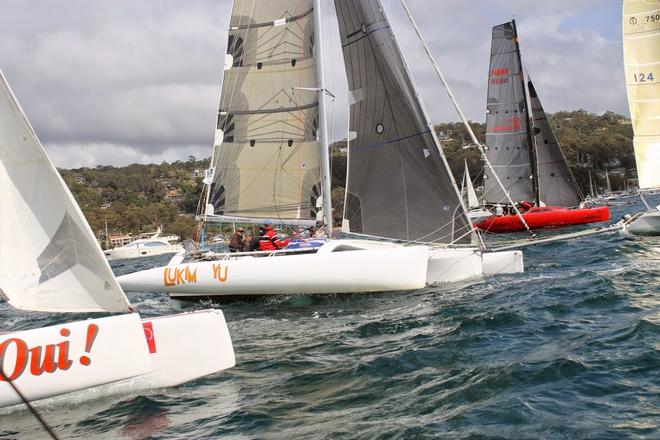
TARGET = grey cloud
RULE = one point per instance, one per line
(141, 79)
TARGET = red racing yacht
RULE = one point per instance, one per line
(524, 152)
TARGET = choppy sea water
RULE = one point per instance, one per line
(569, 349)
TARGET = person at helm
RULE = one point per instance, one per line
(268, 241)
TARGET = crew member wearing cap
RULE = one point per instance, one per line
(237, 242)
(268, 241)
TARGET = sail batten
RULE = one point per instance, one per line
(266, 157)
(641, 49)
(49, 257)
(398, 185)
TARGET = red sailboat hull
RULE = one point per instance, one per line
(544, 217)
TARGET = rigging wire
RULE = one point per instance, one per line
(27, 403)
(475, 141)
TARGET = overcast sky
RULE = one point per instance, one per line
(123, 81)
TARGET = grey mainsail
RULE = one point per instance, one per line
(266, 158)
(557, 186)
(398, 183)
(508, 137)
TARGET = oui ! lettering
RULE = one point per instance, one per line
(41, 358)
(173, 276)
(218, 274)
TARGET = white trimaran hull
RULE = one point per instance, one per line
(646, 223)
(339, 266)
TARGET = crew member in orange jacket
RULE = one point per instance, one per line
(268, 241)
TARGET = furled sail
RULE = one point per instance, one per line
(266, 156)
(398, 183)
(557, 186)
(641, 49)
(507, 121)
(49, 258)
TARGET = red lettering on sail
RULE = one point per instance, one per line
(499, 71)
(513, 124)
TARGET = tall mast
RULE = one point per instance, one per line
(473, 137)
(530, 137)
(323, 124)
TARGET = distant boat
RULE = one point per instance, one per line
(475, 211)
(641, 50)
(51, 262)
(146, 247)
(524, 151)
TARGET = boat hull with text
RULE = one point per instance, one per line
(113, 355)
(339, 266)
(544, 217)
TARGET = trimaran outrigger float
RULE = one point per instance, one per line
(51, 262)
(271, 161)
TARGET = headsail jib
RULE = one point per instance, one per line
(50, 260)
(266, 154)
(557, 186)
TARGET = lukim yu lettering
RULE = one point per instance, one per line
(42, 358)
(173, 276)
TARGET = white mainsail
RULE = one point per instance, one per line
(49, 258)
(641, 49)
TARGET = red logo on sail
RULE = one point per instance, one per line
(513, 125)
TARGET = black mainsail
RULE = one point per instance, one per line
(266, 157)
(557, 186)
(508, 137)
(398, 184)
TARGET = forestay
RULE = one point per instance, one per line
(557, 186)
(49, 257)
(507, 121)
(641, 48)
(398, 182)
(266, 154)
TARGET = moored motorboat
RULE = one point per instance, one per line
(145, 247)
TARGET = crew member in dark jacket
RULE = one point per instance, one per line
(237, 241)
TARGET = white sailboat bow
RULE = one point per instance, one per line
(641, 50)
(51, 262)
